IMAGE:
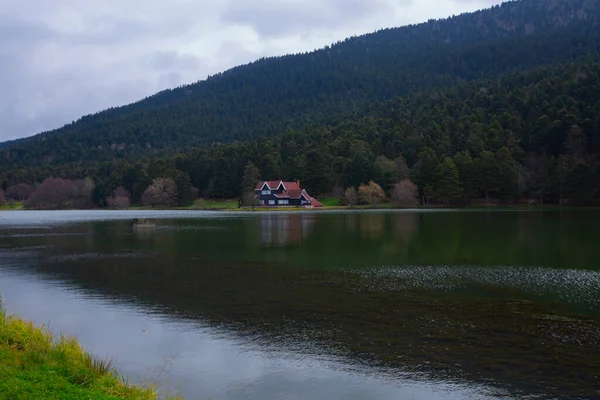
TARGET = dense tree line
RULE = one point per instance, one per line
(532, 134)
(329, 86)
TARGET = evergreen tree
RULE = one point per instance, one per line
(466, 170)
(425, 170)
(249, 182)
(578, 181)
(507, 174)
(186, 193)
(316, 179)
(488, 175)
(448, 187)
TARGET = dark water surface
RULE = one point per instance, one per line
(340, 305)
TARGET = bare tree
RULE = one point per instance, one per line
(19, 192)
(162, 191)
(406, 193)
(121, 198)
(88, 189)
(249, 199)
(122, 192)
(53, 193)
(371, 194)
(2, 199)
(77, 198)
(351, 196)
(118, 202)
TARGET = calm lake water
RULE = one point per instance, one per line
(324, 305)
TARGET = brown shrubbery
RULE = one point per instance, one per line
(19, 192)
(371, 194)
(121, 198)
(162, 192)
(57, 193)
(406, 193)
(351, 197)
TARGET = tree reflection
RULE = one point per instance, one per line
(285, 229)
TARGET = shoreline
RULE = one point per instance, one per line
(385, 207)
(35, 363)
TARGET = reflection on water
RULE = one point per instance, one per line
(340, 305)
(202, 361)
(282, 229)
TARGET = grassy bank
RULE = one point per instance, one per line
(17, 205)
(36, 365)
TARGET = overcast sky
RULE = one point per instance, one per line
(62, 59)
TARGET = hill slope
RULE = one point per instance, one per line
(323, 87)
(531, 134)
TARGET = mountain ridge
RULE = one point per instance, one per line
(527, 134)
(272, 95)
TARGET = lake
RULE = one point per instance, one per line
(428, 304)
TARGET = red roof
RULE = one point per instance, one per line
(315, 203)
(273, 185)
(291, 185)
(297, 193)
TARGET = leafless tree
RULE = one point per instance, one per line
(54, 193)
(19, 192)
(77, 198)
(122, 192)
(406, 193)
(162, 191)
(121, 198)
(351, 196)
(249, 199)
(88, 189)
(2, 199)
(118, 202)
(371, 194)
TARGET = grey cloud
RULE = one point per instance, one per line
(277, 18)
(168, 60)
(16, 31)
(62, 59)
(170, 79)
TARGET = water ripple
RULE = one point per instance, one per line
(565, 285)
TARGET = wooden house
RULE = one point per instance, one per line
(284, 194)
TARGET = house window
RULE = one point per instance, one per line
(271, 202)
(266, 192)
(284, 202)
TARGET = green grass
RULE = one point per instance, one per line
(214, 204)
(14, 206)
(329, 201)
(36, 365)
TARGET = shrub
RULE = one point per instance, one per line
(162, 192)
(371, 194)
(406, 193)
(121, 198)
(351, 197)
(19, 192)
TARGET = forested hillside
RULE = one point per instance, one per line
(533, 134)
(331, 85)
